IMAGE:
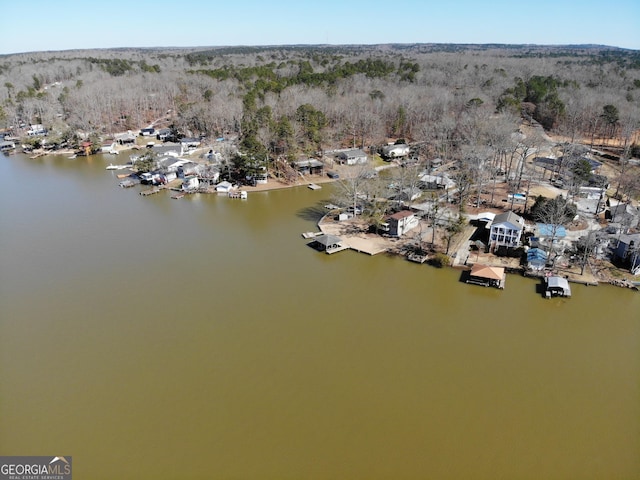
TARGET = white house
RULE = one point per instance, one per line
(109, 147)
(189, 143)
(352, 157)
(506, 230)
(401, 222)
(224, 187)
(190, 183)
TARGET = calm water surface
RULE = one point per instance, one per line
(201, 338)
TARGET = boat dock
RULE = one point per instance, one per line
(313, 186)
(150, 191)
(238, 194)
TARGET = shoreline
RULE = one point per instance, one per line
(369, 243)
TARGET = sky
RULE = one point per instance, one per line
(50, 25)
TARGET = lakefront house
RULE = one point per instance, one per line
(506, 231)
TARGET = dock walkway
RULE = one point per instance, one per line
(150, 191)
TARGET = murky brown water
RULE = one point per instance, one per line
(151, 338)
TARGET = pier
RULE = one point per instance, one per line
(150, 191)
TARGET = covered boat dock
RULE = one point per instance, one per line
(487, 276)
(556, 286)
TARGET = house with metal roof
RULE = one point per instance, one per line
(506, 230)
(352, 157)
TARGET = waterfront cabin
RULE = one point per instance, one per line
(190, 183)
(556, 286)
(310, 166)
(401, 222)
(352, 157)
(328, 243)
(224, 187)
(125, 138)
(109, 146)
(187, 169)
(487, 276)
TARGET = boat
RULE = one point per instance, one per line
(313, 186)
(112, 167)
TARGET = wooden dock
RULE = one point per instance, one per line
(417, 258)
(150, 191)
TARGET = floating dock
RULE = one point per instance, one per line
(151, 191)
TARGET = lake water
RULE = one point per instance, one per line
(200, 338)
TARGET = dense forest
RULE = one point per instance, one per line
(289, 101)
